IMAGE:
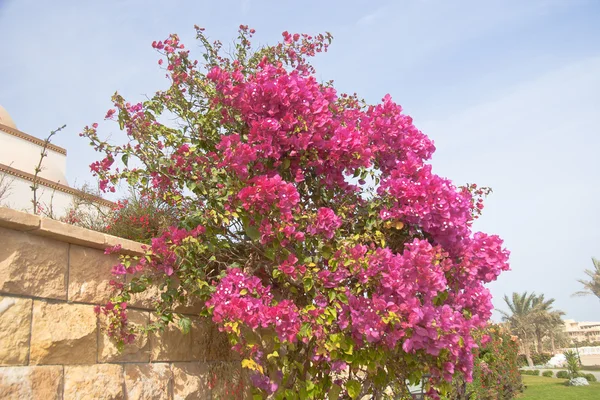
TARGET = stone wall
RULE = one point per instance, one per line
(52, 344)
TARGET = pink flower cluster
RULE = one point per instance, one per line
(405, 306)
(163, 257)
(326, 223)
(240, 298)
(264, 193)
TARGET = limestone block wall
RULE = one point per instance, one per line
(52, 344)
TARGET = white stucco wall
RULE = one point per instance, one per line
(23, 155)
(19, 197)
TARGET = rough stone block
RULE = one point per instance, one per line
(31, 383)
(171, 344)
(40, 273)
(18, 220)
(70, 233)
(225, 381)
(90, 274)
(63, 334)
(94, 382)
(201, 332)
(145, 299)
(138, 351)
(220, 348)
(148, 381)
(190, 381)
(127, 246)
(15, 320)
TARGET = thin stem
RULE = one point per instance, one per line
(35, 185)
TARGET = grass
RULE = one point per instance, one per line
(540, 387)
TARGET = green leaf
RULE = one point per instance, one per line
(270, 253)
(303, 393)
(125, 158)
(136, 287)
(252, 232)
(305, 330)
(353, 387)
(308, 283)
(334, 392)
(290, 394)
(286, 163)
(185, 324)
(327, 252)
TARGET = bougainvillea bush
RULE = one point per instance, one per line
(135, 217)
(310, 223)
(496, 373)
(140, 218)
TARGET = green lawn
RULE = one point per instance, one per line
(540, 387)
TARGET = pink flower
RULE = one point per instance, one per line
(326, 223)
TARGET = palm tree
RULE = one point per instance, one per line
(520, 319)
(557, 338)
(593, 285)
(545, 319)
(531, 318)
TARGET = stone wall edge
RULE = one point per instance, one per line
(47, 227)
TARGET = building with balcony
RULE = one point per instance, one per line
(582, 331)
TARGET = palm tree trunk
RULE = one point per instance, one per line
(527, 349)
(539, 336)
(528, 355)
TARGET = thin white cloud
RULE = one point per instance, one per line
(371, 17)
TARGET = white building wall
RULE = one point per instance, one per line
(23, 155)
(19, 196)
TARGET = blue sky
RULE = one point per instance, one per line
(509, 90)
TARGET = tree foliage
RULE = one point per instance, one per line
(532, 318)
(591, 286)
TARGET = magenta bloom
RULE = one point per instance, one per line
(326, 224)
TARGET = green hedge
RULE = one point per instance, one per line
(565, 375)
(548, 374)
(534, 372)
(589, 377)
(562, 375)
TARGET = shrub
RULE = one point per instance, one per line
(548, 374)
(589, 377)
(309, 224)
(562, 375)
(573, 366)
(541, 358)
(534, 372)
(537, 358)
(140, 218)
(495, 374)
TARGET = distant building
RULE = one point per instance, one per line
(582, 331)
(19, 155)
